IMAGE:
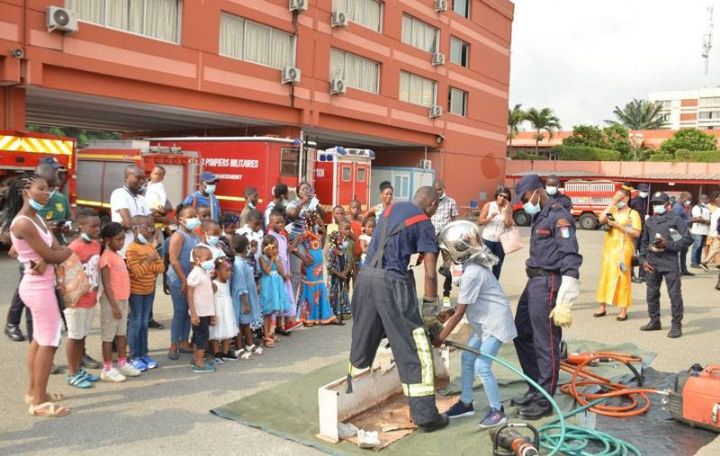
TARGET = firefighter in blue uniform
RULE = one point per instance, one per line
(552, 288)
(385, 303)
(552, 188)
(664, 236)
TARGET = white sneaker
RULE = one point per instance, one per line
(112, 375)
(128, 371)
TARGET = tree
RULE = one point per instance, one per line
(639, 115)
(689, 139)
(618, 138)
(82, 136)
(587, 135)
(542, 120)
(516, 116)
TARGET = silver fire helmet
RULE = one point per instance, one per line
(461, 241)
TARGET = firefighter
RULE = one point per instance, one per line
(552, 187)
(385, 303)
(664, 236)
(553, 286)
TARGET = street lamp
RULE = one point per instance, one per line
(637, 140)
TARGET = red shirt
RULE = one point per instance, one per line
(89, 253)
(356, 228)
(119, 275)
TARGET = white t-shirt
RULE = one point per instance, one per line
(155, 195)
(700, 228)
(714, 217)
(252, 236)
(121, 198)
(488, 308)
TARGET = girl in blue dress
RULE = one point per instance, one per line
(314, 306)
(275, 300)
(244, 298)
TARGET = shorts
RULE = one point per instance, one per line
(201, 333)
(79, 321)
(110, 327)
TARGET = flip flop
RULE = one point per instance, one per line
(54, 410)
(54, 397)
(600, 314)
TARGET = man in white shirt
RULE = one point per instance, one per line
(127, 202)
(699, 230)
(446, 212)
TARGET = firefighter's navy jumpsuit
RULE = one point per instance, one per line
(385, 304)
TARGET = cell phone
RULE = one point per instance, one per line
(610, 217)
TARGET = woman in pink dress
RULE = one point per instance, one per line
(38, 250)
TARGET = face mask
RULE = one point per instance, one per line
(208, 265)
(192, 223)
(530, 208)
(642, 195)
(345, 244)
(659, 209)
(621, 205)
(141, 239)
(213, 240)
(35, 205)
(441, 197)
(551, 190)
(251, 205)
(85, 237)
(210, 189)
(687, 203)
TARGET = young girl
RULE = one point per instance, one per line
(211, 238)
(313, 307)
(244, 298)
(201, 305)
(366, 236)
(274, 297)
(228, 225)
(338, 267)
(225, 326)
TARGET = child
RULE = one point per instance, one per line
(228, 225)
(338, 214)
(338, 269)
(210, 238)
(489, 313)
(114, 305)
(253, 230)
(79, 318)
(201, 306)
(226, 325)
(277, 232)
(144, 264)
(244, 298)
(274, 296)
(349, 247)
(366, 236)
(313, 307)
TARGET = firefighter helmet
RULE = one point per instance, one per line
(461, 241)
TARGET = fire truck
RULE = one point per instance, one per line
(20, 151)
(589, 198)
(342, 175)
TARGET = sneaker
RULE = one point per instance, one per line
(89, 363)
(112, 375)
(217, 359)
(79, 381)
(493, 418)
(704, 267)
(149, 362)
(128, 370)
(88, 376)
(206, 369)
(460, 409)
(229, 356)
(138, 364)
(446, 301)
(152, 324)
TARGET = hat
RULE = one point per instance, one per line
(50, 161)
(643, 187)
(659, 197)
(207, 176)
(526, 184)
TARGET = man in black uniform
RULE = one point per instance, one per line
(553, 286)
(640, 204)
(664, 236)
(552, 188)
(385, 303)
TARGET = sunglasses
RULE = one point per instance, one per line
(504, 196)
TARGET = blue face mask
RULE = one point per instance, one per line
(213, 240)
(210, 189)
(530, 208)
(35, 205)
(85, 237)
(192, 223)
(658, 209)
(141, 239)
(208, 265)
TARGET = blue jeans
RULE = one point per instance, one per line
(497, 249)
(697, 248)
(138, 319)
(480, 365)
(180, 327)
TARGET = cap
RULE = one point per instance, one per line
(643, 187)
(50, 161)
(207, 176)
(659, 197)
(526, 184)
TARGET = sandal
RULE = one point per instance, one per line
(269, 342)
(246, 355)
(53, 410)
(53, 397)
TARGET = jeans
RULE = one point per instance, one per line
(697, 248)
(180, 327)
(138, 320)
(497, 249)
(472, 364)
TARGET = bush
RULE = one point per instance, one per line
(523, 155)
(683, 155)
(583, 153)
(704, 156)
(690, 139)
(661, 157)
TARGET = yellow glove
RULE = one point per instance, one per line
(562, 315)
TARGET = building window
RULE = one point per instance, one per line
(419, 34)
(367, 13)
(462, 7)
(707, 115)
(401, 187)
(417, 90)
(247, 40)
(158, 19)
(459, 52)
(457, 101)
(709, 101)
(357, 72)
(289, 162)
(664, 104)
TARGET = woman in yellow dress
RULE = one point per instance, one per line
(624, 223)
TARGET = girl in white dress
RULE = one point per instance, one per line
(226, 325)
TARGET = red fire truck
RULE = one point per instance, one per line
(341, 175)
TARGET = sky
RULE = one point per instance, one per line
(581, 58)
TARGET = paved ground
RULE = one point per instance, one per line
(167, 409)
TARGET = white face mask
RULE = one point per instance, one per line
(210, 189)
(643, 194)
(658, 208)
(551, 190)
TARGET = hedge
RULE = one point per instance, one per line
(523, 155)
(585, 153)
(683, 155)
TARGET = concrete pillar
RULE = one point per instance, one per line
(12, 112)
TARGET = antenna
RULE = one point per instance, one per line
(707, 39)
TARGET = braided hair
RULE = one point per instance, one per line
(14, 200)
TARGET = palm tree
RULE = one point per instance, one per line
(516, 116)
(639, 115)
(543, 119)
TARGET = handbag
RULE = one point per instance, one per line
(510, 240)
(72, 280)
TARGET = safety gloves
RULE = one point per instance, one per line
(430, 310)
(566, 297)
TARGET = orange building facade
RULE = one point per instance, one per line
(216, 66)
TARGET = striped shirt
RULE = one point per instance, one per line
(142, 272)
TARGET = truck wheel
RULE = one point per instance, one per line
(521, 218)
(588, 221)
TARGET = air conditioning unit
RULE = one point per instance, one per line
(339, 19)
(337, 86)
(298, 5)
(290, 75)
(425, 164)
(441, 6)
(435, 111)
(438, 58)
(61, 19)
